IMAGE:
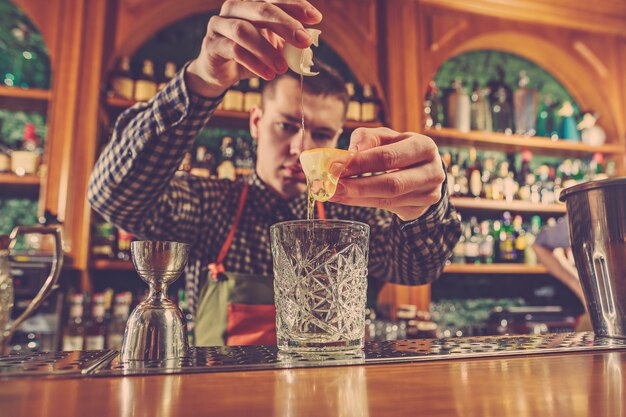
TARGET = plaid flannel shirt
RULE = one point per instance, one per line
(134, 186)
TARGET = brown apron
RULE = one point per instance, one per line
(234, 308)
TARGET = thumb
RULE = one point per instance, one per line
(363, 138)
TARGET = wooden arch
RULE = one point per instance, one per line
(581, 76)
(44, 19)
(348, 29)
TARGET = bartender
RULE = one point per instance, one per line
(228, 277)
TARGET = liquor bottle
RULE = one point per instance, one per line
(567, 125)
(548, 196)
(104, 240)
(233, 99)
(185, 165)
(474, 174)
(459, 108)
(495, 233)
(595, 167)
(124, 239)
(146, 85)
(480, 118)
(446, 157)
(501, 100)
(433, 112)
(458, 253)
(183, 304)
(520, 241)
(354, 105)
(73, 337)
(109, 294)
(486, 249)
(244, 162)
(226, 168)
(252, 96)
(509, 185)
(168, 74)
(95, 330)
(487, 177)
(535, 227)
(117, 325)
(122, 84)
(525, 104)
(472, 242)
(546, 118)
(506, 240)
(461, 183)
(370, 105)
(200, 167)
(525, 177)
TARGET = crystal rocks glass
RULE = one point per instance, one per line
(320, 283)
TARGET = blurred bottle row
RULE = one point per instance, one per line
(98, 321)
(364, 104)
(123, 85)
(508, 240)
(490, 316)
(508, 177)
(495, 107)
(235, 158)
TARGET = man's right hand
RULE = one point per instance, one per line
(246, 39)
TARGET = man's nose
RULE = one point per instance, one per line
(300, 143)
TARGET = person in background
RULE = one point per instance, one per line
(133, 185)
(552, 247)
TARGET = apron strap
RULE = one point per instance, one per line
(217, 267)
(321, 211)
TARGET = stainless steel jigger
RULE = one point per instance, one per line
(155, 330)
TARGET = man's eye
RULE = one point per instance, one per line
(288, 127)
(321, 137)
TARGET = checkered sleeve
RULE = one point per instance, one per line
(133, 184)
(414, 252)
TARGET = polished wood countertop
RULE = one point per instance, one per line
(568, 385)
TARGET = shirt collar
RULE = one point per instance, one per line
(265, 198)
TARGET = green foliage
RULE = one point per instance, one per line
(17, 211)
(12, 126)
(24, 58)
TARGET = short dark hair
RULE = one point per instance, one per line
(327, 83)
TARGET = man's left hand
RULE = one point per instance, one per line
(410, 167)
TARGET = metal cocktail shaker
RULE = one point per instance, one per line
(597, 221)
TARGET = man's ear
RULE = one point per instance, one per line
(255, 117)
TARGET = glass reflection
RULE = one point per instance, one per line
(340, 392)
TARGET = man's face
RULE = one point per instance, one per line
(277, 130)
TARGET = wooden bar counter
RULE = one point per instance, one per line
(572, 384)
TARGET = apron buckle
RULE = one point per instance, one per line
(216, 271)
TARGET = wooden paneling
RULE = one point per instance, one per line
(86, 126)
(400, 55)
(557, 385)
(593, 16)
(621, 91)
